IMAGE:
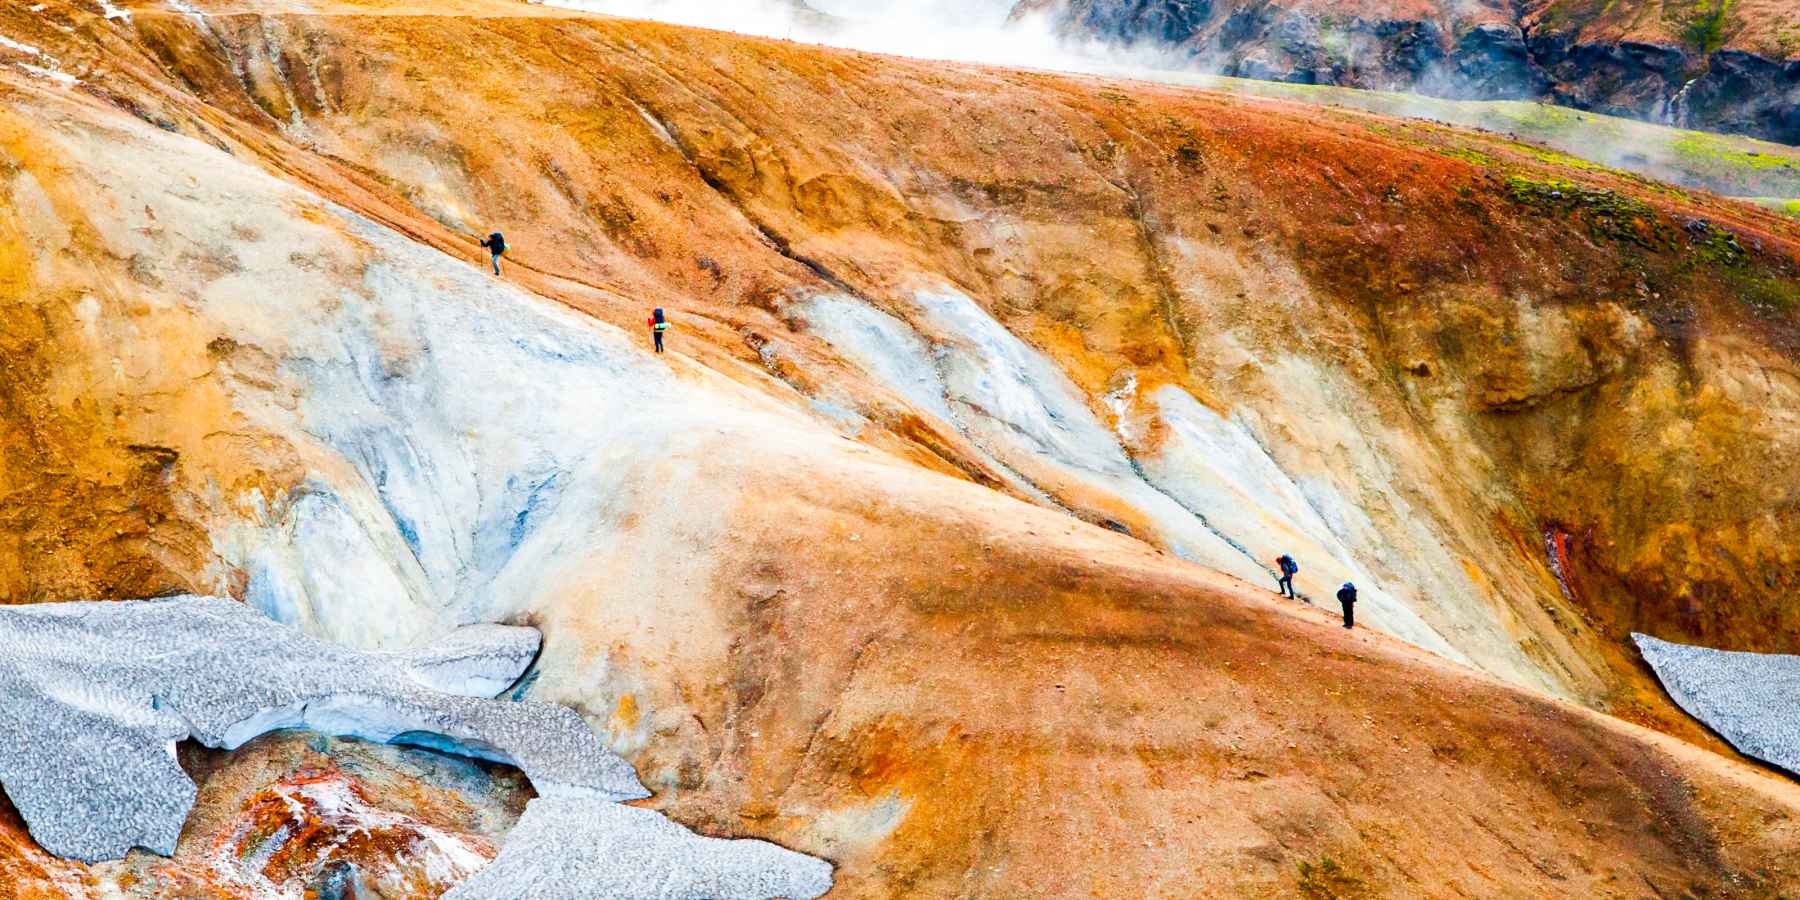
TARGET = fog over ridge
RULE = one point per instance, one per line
(981, 31)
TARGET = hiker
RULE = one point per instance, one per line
(658, 324)
(1347, 596)
(495, 244)
(1286, 581)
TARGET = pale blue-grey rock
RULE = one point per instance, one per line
(94, 696)
(1750, 699)
(573, 848)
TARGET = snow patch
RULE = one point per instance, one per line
(113, 12)
(572, 849)
(26, 49)
(1748, 698)
(94, 695)
(62, 78)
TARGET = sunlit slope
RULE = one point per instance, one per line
(886, 561)
(1342, 288)
(942, 690)
(939, 688)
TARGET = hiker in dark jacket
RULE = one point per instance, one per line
(495, 244)
(658, 324)
(1286, 581)
(1347, 597)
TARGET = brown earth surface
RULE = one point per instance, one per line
(1768, 28)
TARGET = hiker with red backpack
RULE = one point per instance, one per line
(1286, 582)
(658, 324)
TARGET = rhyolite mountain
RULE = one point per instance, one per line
(938, 547)
(1720, 65)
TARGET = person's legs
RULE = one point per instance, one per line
(658, 335)
(496, 264)
(1349, 615)
(1287, 586)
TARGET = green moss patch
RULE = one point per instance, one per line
(1326, 880)
(1787, 206)
(1718, 253)
(1768, 296)
(1475, 157)
(1712, 149)
(1558, 158)
(1609, 215)
(1704, 26)
(1719, 247)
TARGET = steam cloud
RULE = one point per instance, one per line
(960, 30)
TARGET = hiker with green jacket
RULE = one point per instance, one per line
(659, 323)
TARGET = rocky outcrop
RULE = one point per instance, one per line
(295, 813)
(1746, 93)
(1629, 78)
(1476, 51)
(1491, 60)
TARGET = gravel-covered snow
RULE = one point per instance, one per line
(1750, 699)
(93, 697)
(571, 848)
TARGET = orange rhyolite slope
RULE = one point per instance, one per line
(881, 626)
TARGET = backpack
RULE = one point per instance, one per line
(1288, 566)
(497, 243)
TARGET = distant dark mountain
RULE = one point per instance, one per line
(1721, 65)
